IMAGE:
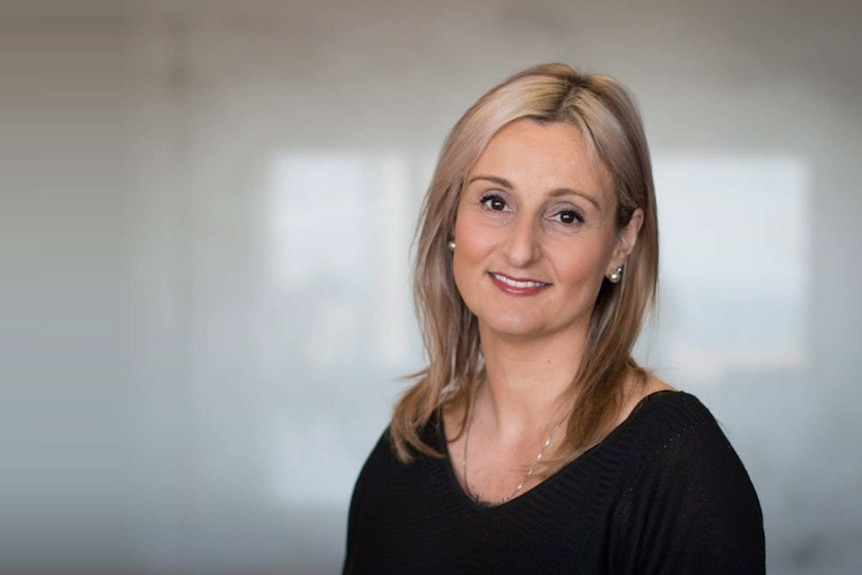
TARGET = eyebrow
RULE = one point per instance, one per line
(554, 194)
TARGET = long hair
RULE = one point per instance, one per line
(605, 113)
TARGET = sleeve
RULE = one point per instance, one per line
(357, 503)
(352, 521)
(691, 509)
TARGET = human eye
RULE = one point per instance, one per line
(569, 216)
(494, 202)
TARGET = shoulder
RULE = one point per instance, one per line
(668, 411)
(373, 471)
(636, 389)
(385, 499)
(688, 494)
(382, 463)
(673, 428)
(376, 461)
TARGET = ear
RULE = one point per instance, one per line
(627, 238)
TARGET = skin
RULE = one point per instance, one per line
(535, 236)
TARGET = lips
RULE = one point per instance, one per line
(517, 286)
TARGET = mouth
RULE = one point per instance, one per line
(518, 283)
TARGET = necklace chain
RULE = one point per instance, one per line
(477, 496)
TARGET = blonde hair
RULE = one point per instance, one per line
(602, 109)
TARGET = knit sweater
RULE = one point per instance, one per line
(664, 493)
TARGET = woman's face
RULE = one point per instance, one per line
(535, 233)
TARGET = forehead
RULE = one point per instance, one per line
(543, 155)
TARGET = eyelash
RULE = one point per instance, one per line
(488, 199)
(578, 217)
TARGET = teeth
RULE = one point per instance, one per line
(516, 283)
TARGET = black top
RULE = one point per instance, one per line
(663, 493)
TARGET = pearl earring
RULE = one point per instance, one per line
(451, 245)
(616, 275)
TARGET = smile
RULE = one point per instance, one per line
(517, 286)
(518, 283)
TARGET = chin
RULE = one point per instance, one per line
(512, 325)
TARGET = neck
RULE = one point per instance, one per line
(527, 382)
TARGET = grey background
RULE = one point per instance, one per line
(207, 210)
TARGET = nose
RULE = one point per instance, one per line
(522, 243)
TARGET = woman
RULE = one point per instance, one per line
(533, 442)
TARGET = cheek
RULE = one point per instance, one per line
(466, 263)
(581, 271)
(585, 266)
(460, 256)
(465, 275)
(473, 246)
(472, 242)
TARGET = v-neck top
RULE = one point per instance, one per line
(664, 492)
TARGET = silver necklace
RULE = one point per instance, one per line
(477, 497)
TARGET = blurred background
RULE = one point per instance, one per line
(206, 213)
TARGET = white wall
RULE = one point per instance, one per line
(225, 300)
